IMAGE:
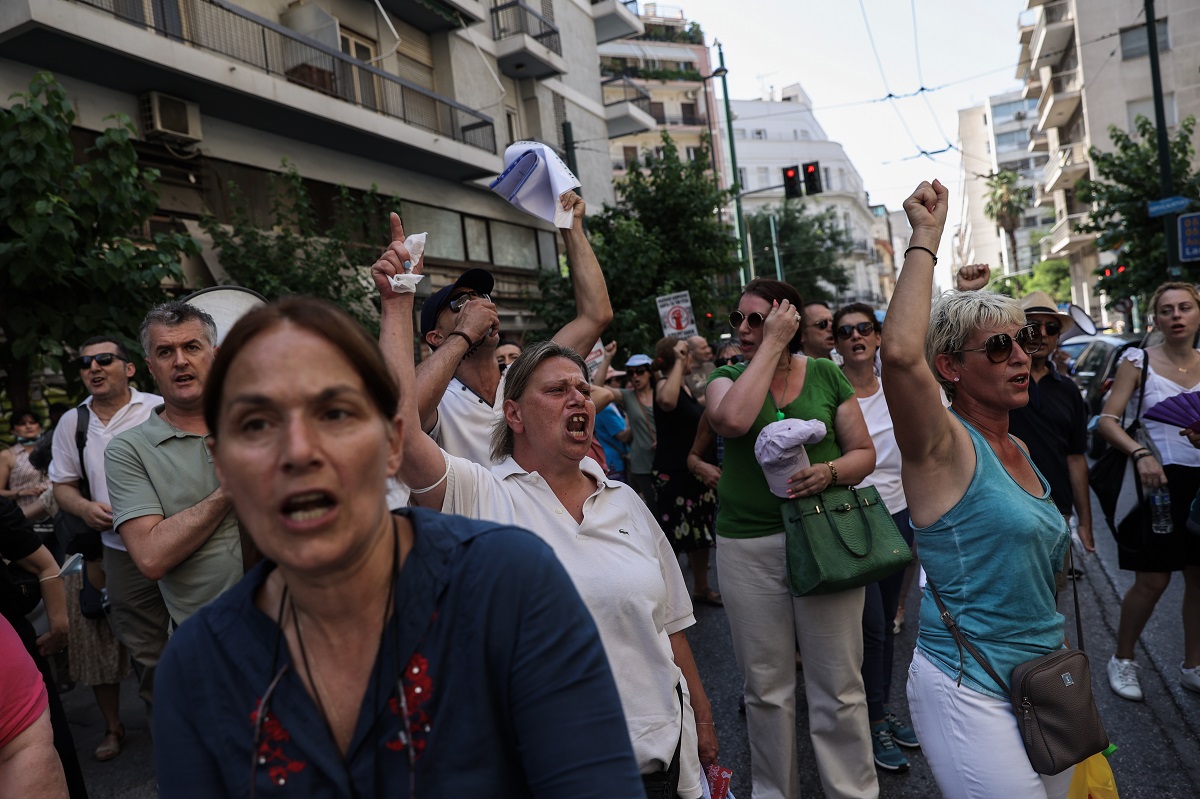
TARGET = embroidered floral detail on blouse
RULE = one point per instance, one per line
(418, 688)
(270, 751)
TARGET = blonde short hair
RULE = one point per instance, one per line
(958, 314)
(516, 380)
(1172, 286)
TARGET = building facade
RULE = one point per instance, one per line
(772, 134)
(1087, 66)
(996, 137)
(415, 99)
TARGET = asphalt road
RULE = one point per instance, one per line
(1158, 740)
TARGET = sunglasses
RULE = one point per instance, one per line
(1050, 328)
(824, 323)
(755, 320)
(102, 358)
(863, 328)
(638, 370)
(998, 348)
(732, 359)
(458, 302)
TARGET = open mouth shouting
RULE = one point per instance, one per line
(1021, 380)
(577, 426)
(309, 506)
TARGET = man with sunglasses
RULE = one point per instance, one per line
(458, 385)
(137, 613)
(1053, 424)
(818, 330)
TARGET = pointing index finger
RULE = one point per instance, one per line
(397, 227)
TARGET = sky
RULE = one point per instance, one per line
(970, 44)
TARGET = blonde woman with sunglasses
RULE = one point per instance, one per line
(766, 622)
(989, 535)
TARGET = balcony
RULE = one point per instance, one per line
(626, 107)
(1041, 197)
(1053, 31)
(437, 15)
(1038, 142)
(527, 44)
(616, 19)
(1059, 101)
(1065, 167)
(681, 120)
(1032, 88)
(1065, 237)
(247, 70)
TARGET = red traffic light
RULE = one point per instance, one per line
(810, 168)
(789, 172)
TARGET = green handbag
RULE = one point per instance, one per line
(840, 539)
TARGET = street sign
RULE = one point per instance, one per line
(676, 313)
(1170, 205)
(1189, 237)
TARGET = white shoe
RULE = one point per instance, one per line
(1123, 679)
(1190, 678)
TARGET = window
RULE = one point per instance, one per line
(514, 125)
(514, 245)
(693, 153)
(760, 134)
(476, 231)
(1003, 112)
(828, 184)
(742, 177)
(560, 117)
(739, 133)
(1012, 140)
(763, 176)
(629, 155)
(1145, 108)
(1135, 43)
(361, 82)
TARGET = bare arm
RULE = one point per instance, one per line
(853, 465)
(29, 765)
(601, 375)
(97, 515)
(706, 732)
(1129, 376)
(734, 405)
(667, 394)
(908, 385)
(424, 462)
(54, 595)
(7, 461)
(709, 473)
(593, 308)
(158, 544)
(1078, 470)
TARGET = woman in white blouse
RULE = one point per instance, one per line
(1173, 368)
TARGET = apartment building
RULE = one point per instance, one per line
(416, 99)
(660, 80)
(1087, 66)
(999, 136)
(773, 133)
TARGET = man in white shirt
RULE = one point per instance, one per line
(458, 385)
(136, 610)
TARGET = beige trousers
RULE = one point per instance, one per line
(766, 622)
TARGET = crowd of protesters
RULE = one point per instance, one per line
(338, 571)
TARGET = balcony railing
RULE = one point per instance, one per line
(1068, 155)
(1064, 82)
(623, 90)
(514, 18)
(632, 5)
(1064, 229)
(681, 119)
(229, 31)
(1051, 14)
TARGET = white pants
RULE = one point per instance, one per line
(972, 742)
(766, 621)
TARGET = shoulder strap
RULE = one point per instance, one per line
(82, 420)
(963, 643)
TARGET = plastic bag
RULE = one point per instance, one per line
(1093, 779)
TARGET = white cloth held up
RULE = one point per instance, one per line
(534, 179)
(406, 282)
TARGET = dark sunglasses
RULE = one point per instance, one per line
(732, 359)
(863, 328)
(1050, 328)
(638, 370)
(824, 323)
(458, 302)
(102, 358)
(998, 348)
(755, 320)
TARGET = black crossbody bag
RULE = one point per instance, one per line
(1051, 696)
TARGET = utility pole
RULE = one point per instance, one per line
(1167, 180)
(775, 249)
(739, 221)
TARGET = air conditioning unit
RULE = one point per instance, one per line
(690, 94)
(170, 118)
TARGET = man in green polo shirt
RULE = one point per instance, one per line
(168, 505)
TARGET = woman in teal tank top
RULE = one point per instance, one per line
(989, 535)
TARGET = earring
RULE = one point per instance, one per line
(956, 380)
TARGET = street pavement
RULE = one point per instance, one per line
(1158, 740)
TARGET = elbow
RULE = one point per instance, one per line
(152, 568)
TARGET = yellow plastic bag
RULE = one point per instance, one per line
(1093, 780)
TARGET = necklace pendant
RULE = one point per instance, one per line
(779, 417)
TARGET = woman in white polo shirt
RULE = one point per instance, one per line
(601, 531)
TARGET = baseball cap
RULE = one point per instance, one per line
(637, 360)
(479, 280)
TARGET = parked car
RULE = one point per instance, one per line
(1095, 368)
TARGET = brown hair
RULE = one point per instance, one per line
(1172, 286)
(777, 291)
(664, 354)
(321, 319)
(856, 307)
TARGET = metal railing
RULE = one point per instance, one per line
(680, 119)
(513, 18)
(1067, 155)
(1064, 229)
(1065, 82)
(1051, 13)
(225, 29)
(623, 90)
(632, 5)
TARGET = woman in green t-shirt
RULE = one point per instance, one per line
(765, 620)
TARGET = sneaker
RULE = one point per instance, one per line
(902, 734)
(1123, 679)
(1190, 678)
(887, 755)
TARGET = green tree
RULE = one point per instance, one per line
(1006, 202)
(75, 256)
(1126, 179)
(811, 245)
(292, 252)
(662, 236)
(1052, 276)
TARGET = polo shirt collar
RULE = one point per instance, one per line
(510, 468)
(157, 430)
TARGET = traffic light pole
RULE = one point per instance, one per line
(738, 220)
(1164, 149)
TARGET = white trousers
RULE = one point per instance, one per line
(766, 622)
(972, 742)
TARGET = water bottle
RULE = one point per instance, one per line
(1160, 511)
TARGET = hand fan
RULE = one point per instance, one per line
(1182, 410)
